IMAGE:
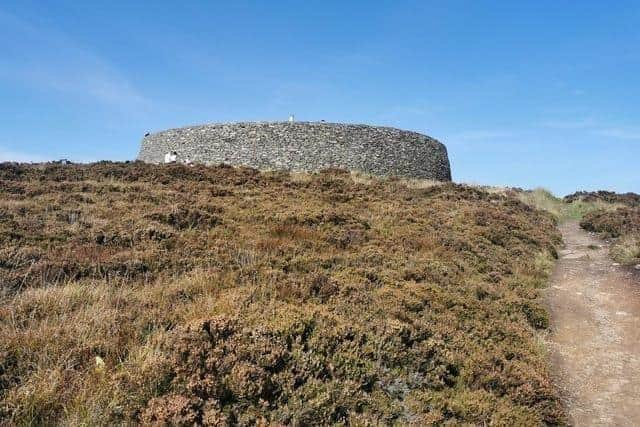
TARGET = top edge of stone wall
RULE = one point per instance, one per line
(283, 123)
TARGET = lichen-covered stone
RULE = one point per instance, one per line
(304, 146)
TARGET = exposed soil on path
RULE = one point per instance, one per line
(595, 339)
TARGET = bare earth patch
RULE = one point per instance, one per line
(595, 339)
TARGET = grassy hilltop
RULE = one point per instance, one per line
(139, 293)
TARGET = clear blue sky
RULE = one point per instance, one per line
(537, 93)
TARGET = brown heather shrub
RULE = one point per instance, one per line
(623, 224)
(613, 223)
(229, 296)
(628, 199)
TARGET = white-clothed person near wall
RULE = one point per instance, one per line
(171, 157)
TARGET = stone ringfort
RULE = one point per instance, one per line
(304, 146)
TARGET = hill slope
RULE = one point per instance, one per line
(133, 292)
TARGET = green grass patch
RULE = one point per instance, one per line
(563, 210)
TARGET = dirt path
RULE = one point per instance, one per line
(595, 339)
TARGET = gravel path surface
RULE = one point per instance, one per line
(595, 339)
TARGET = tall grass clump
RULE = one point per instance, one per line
(562, 209)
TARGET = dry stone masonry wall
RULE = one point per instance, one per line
(303, 146)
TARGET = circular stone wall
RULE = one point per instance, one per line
(304, 146)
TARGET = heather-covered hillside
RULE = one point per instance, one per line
(136, 293)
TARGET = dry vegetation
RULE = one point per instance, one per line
(627, 199)
(612, 215)
(623, 224)
(569, 208)
(135, 293)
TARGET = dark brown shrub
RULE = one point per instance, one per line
(629, 199)
(184, 218)
(612, 223)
